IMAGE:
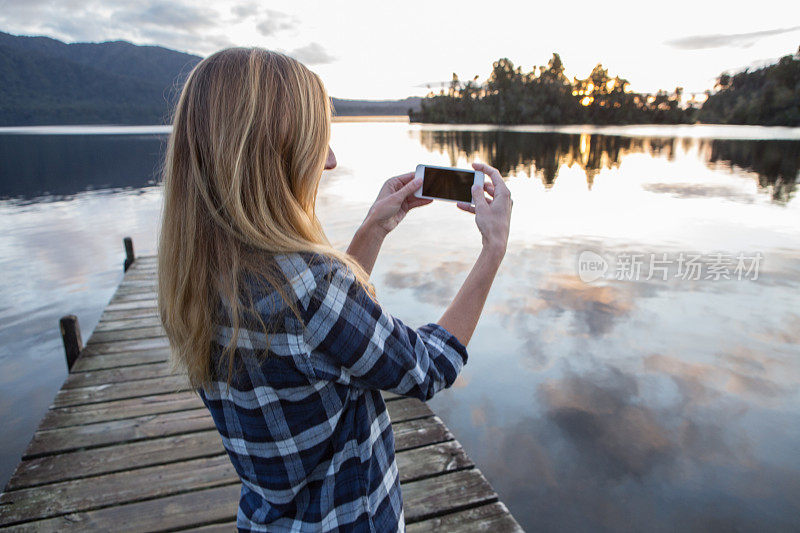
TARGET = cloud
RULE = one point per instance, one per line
(166, 15)
(275, 22)
(719, 40)
(435, 285)
(695, 190)
(246, 10)
(312, 54)
(595, 308)
(600, 415)
(158, 22)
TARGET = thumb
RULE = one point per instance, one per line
(409, 188)
(477, 197)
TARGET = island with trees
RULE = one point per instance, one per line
(769, 96)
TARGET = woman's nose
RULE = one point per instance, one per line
(330, 162)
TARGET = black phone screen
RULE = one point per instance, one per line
(448, 184)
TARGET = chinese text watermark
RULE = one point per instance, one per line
(686, 266)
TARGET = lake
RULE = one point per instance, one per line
(637, 364)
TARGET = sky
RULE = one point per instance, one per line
(387, 50)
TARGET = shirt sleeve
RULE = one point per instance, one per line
(352, 340)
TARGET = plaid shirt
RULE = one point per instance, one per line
(306, 428)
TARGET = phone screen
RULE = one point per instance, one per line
(449, 184)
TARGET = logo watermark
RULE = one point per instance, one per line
(684, 266)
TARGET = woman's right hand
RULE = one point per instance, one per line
(493, 214)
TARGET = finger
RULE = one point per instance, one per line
(404, 178)
(396, 183)
(489, 188)
(487, 169)
(478, 197)
(494, 175)
(464, 206)
(413, 202)
(409, 188)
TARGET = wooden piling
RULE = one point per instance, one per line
(71, 335)
(129, 257)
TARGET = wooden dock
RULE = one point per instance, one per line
(125, 446)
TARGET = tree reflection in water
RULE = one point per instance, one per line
(775, 163)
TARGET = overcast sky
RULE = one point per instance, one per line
(392, 50)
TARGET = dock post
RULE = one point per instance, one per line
(71, 335)
(129, 257)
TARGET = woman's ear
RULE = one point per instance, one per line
(330, 162)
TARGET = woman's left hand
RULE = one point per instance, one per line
(395, 199)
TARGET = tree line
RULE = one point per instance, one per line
(770, 95)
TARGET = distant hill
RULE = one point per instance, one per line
(376, 107)
(47, 81)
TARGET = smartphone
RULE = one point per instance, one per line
(448, 183)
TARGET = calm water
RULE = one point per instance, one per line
(624, 403)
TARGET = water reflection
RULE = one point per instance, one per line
(633, 406)
(776, 163)
(35, 166)
(612, 406)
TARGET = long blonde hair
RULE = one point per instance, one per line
(248, 145)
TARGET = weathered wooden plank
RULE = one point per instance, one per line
(149, 274)
(104, 348)
(493, 517)
(143, 270)
(137, 282)
(157, 481)
(114, 489)
(408, 434)
(118, 391)
(106, 408)
(131, 323)
(118, 360)
(432, 460)
(137, 286)
(147, 482)
(185, 510)
(151, 269)
(149, 332)
(127, 314)
(407, 409)
(389, 396)
(130, 429)
(444, 494)
(125, 296)
(120, 409)
(136, 291)
(117, 375)
(420, 432)
(413, 463)
(224, 527)
(142, 273)
(95, 461)
(137, 304)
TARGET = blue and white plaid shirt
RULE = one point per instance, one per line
(306, 428)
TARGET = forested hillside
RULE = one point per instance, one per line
(46, 81)
(769, 96)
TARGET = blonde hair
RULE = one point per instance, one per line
(248, 145)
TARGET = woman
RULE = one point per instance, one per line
(280, 333)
